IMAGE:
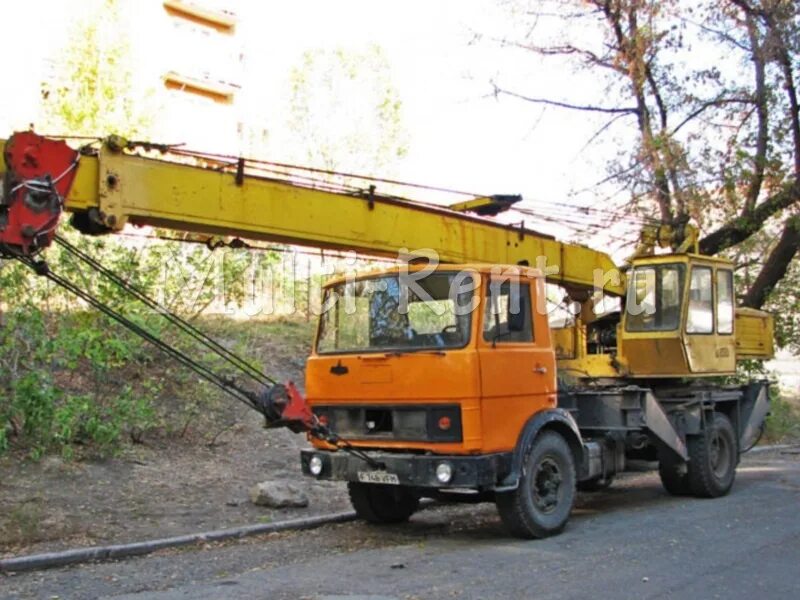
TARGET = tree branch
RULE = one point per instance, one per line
(776, 265)
(724, 36)
(632, 54)
(568, 50)
(584, 107)
(704, 107)
(762, 113)
(741, 228)
(785, 61)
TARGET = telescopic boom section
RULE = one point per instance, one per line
(233, 197)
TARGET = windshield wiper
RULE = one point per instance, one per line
(415, 351)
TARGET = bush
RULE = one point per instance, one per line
(61, 379)
(783, 422)
(71, 376)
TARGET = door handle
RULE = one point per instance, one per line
(540, 370)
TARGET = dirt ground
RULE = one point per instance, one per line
(162, 487)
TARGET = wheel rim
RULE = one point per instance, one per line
(719, 454)
(546, 485)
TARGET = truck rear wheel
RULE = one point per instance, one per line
(713, 456)
(382, 503)
(541, 504)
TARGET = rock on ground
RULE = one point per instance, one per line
(278, 494)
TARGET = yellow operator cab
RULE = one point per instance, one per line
(680, 318)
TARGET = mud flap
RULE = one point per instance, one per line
(659, 425)
(754, 411)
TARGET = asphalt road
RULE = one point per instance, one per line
(632, 541)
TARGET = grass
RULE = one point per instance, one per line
(783, 422)
(22, 523)
(27, 523)
(196, 412)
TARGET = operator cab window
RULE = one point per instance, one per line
(654, 298)
(507, 316)
(700, 317)
(724, 302)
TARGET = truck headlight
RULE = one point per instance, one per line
(444, 472)
(315, 465)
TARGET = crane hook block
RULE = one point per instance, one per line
(284, 406)
(38, 175)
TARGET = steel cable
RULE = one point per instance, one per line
(231, 358)
(227, 385)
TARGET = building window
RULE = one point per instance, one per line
(220, 93)
(223, 22)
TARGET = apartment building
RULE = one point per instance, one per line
(192, 54)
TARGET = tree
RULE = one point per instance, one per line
(345, 113)
(91, 92)
(61, 369)
(709, 95)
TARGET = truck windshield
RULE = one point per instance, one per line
(386, 314)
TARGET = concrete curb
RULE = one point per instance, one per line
(773, 448)
(52, 560)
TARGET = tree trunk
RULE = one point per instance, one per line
(776, 265)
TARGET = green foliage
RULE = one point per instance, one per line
(70, 376)
(92, 93)
(59, 376)
(345, 113)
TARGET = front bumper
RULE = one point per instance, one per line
(414, 470)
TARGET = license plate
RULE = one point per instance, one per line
(378, 477)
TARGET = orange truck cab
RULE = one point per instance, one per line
(439, 376)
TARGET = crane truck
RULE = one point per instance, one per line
(446, 380)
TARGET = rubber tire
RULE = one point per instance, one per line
(595, 485)
(674, 477)
(382, 504)
(702, 479)
(517, 509)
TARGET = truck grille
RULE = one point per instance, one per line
(438, 423)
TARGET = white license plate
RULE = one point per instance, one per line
(378, 477)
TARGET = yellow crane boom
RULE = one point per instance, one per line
(117, 185)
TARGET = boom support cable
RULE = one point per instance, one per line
(184, 325)
(226, 384)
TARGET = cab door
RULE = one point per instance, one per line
(708, 339)
(517, 361)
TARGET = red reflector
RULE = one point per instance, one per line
(444, 423)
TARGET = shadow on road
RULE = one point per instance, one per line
(480, 522)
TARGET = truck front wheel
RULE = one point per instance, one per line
(377, 503)
(541, 504)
